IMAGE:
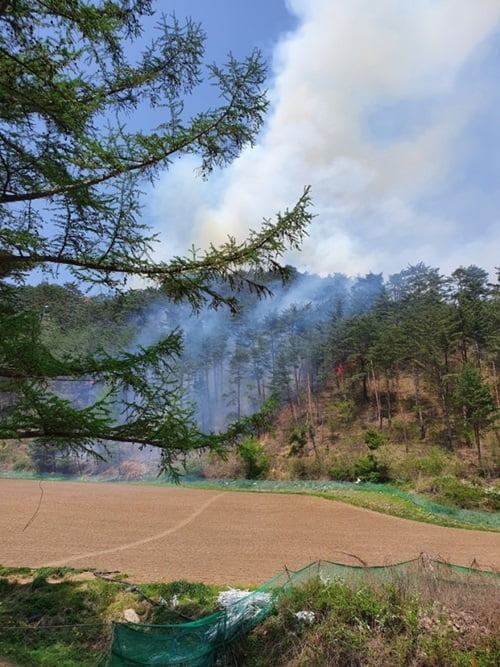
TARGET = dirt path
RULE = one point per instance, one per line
(156, 533)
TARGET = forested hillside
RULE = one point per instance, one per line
(365, 378)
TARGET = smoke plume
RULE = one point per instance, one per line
(387, 109)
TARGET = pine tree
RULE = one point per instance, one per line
(475, 403)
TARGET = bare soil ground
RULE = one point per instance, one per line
(155, 533)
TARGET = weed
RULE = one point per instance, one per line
(467, 494)
(419, 619)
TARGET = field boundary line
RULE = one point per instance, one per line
(136, 543)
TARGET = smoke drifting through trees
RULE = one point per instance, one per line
(354, 332)
(231, 364)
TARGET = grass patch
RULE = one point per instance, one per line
(47, 623)
(399, 507)
(421, 612)
(403, 619)
(52, 617)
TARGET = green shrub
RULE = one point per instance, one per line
(434, 463)
(342, 412)
(373, 439)
(458, 493)
(342, 472)
(411, 467)
(255, 459)
(298, 439)
(304, 468)
(369, 469)
(492, 498)
(365, 468)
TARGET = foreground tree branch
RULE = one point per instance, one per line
(71, 172)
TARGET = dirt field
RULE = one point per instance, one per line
(157, 533)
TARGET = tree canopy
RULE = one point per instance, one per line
(72, 165)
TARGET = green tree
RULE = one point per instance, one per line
(362, 334)
(71, 172)
(475, 403)
(426, 323)
(238, 365)
(389, 355)
(469, 291)
(364, 293)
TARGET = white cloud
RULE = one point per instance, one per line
(369, 102)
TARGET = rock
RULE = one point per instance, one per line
(131, 616)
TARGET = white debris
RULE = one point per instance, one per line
(241, 605)
(306, 616)
(232, 595)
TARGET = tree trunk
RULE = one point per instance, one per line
(388, 388)
(495, 384)
(477, 438)
(377, 395)
(401, 411)
(364, 376)
(418, 405)
(445, 412)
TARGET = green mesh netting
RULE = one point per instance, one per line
(194, 643)
(197, 643)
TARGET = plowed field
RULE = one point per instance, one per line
(155, 533)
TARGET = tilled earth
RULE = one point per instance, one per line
(165, 533)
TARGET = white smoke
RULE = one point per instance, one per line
(372, 107)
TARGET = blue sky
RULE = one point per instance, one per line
(388, 109)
